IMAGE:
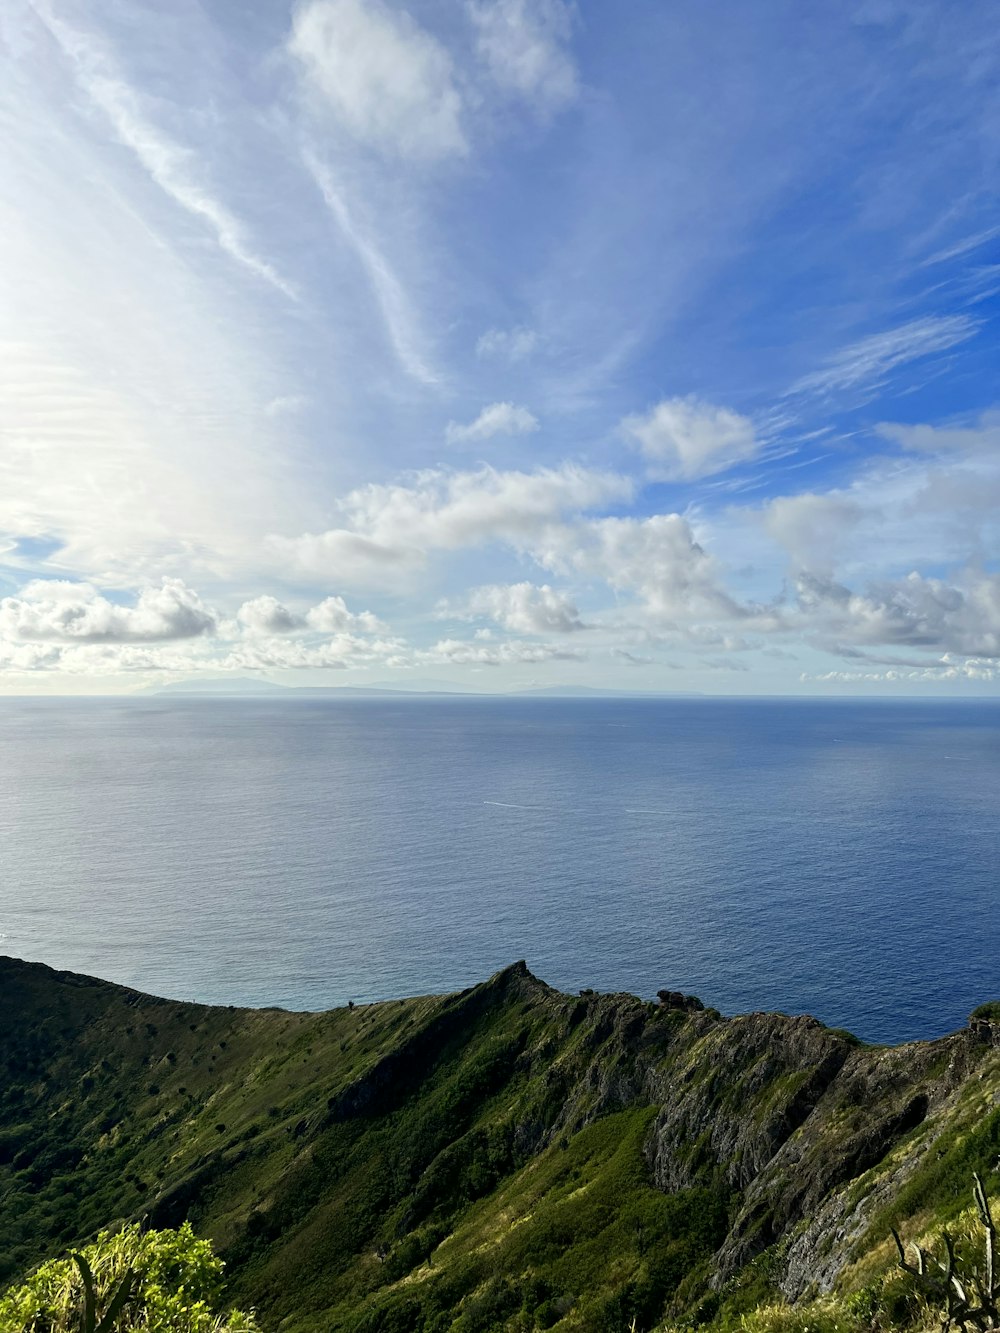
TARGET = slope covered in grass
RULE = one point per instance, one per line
(508, 1157)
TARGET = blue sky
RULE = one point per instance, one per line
(502, 343)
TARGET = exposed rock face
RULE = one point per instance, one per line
(738, 1092)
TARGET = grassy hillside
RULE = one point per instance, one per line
(508, 1157)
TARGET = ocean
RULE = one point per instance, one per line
(837, 858)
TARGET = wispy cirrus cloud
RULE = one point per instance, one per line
(170, 165)
(871, 359)
(399, 318)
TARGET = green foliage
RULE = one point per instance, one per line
(990, 1010)
(134, 1281)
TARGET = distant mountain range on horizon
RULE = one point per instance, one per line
(248, 687)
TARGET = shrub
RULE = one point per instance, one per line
(157, 1281)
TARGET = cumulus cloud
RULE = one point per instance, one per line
(525, 608)
(267, 616)
(386, 80)
(871, 359)
(74, 628)
(683, 439)
(523, 44)
(389, 529)
(443, 509)
(192, 659)
(656, 559)
(336, 653)
(331, 616)
(60, 611)
(511, 345)
(495, 419)
(915, 611)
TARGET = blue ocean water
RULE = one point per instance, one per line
(835, 858)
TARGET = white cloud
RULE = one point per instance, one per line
(657, 559)
(511, 345)
(448, 510)
(386, 80)
(525, 608)
(814, 529)
(523, 44)
(685, 438)
(510, 653)
(73, 628)
(391, 528)
(266, 615)
(934, 672)
(170, 165)
(495, 419)
(937, 504)
(59, 611)
(872, 358)
(347, 557)
(915, 611)
(962, 247)
(275, 654)
(337, 653)
(331, 616)
(982, 438)
(393, 302)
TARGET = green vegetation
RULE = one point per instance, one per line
(132, 1282)
(509, 1158)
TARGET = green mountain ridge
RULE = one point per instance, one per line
(507, 1157)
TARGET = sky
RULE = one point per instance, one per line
(500, 344)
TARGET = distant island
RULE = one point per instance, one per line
(251, 687)
(507, 1157)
